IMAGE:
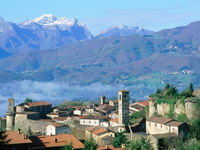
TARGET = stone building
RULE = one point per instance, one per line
(57, 128)
(113, 103)
(123, 109)
(190, 108)
(27, 115)
(10, 115)
(92, 120)
(102, 136)
(102, 100)
(160, 125)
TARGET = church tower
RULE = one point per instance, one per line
(102, 100)
(123, 108)
(10, 115)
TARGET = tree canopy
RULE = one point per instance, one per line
(119, 139)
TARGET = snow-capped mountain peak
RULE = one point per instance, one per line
(49, 19)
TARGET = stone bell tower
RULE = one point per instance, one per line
(10, 115)
(123, 109)
(102, 100)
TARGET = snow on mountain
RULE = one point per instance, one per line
(44, 32)
(49, 19)
(122, 30)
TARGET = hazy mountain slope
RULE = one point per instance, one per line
(189, 35)
(122, 30)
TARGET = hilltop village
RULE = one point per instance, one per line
(160, 122)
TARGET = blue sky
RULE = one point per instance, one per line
(100, 14)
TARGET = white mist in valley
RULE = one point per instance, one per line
(57, 92)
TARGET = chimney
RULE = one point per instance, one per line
(25, 136)
(19, 131)
(55, 140)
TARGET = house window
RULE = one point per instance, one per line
(120, 97)
(149, 124)
(161, 125)
(173, 129)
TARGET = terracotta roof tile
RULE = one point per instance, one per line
(16, 138)
(99, 131)
(62, 140)
(60, 118)
(32, 104)
(160, 120)
(55, 124)
(174, 123)
(96, 130)
(114, 120)
(144, 103)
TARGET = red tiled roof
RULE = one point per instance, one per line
(60, 118)
(16, 138)
(174, 123)
(160, 120)
(100, 130)
(32, 104)
(115, 120)
(144, 103)
(62, 140)
(57, 124)
(96, 130)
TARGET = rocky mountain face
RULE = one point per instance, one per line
(44, 32)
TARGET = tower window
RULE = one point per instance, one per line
(124, 95)
(120, 97)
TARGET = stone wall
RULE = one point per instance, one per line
(38, 126)
(163, 109)
(191, 108)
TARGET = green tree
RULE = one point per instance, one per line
(167, 86)
(90, 145)
(3, 141)
(137, 115)
(67, 147)
(119, 139)
(191, 88)
(194, 130)
(192, 144)
(28, 100)
(142, 144)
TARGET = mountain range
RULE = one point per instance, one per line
(49, 48)
(50, 32)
